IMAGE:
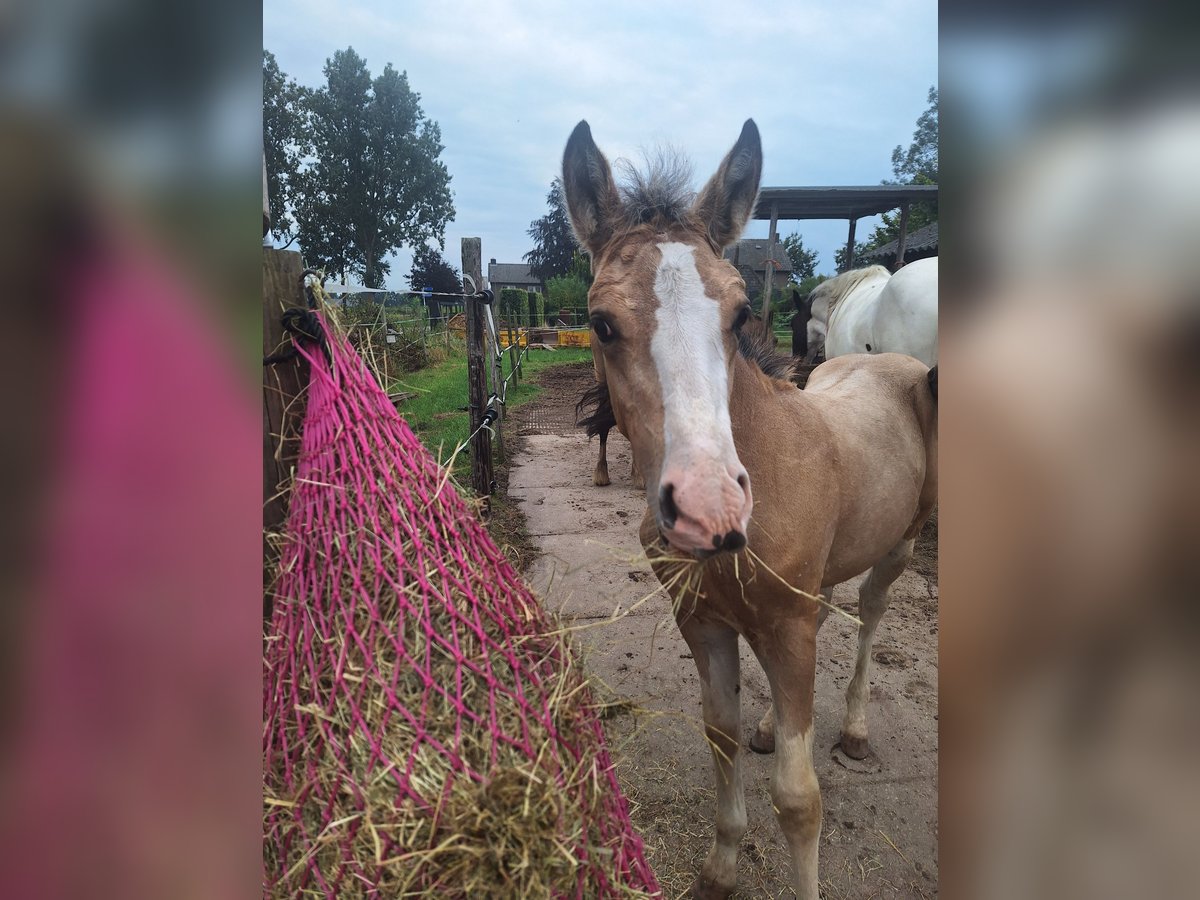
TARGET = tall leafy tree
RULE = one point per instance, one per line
(377, 182)
(804, 261)
(285, 143)
(554, 246)
(919, 163)
(431, 270)
(916, 165)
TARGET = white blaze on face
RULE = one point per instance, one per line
(689, 356)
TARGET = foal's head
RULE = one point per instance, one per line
(665, 308)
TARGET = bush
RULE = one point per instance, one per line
(368, 325)
(568, 291)
(514, 306)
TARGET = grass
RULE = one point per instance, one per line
(438, 412)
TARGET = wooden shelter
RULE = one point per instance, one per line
(850, 202)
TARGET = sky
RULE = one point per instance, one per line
(833, 87)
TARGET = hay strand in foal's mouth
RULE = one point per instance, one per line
(427, 732)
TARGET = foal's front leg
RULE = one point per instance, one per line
(715, 649)
(763, 739)
(788, 656)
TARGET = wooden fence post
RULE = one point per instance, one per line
(477, 395)
(850, 246)
(497, 369)
(513, 356)
(282, 385)
(769, 279)
(900, 241)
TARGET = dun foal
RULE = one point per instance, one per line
(843, 473)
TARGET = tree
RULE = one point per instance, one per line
(554, 246)
(431, 270)
(917, 165)
(285, 142)
(377, 182)
(807, 285)
(859, 262)
(804, 262)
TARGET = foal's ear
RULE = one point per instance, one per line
(727, 201)
(591, 193)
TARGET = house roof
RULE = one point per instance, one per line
(924, 238)
(849, 202)
(511, 273)
(753, 253)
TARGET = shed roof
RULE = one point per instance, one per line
(511, 273)
(924, 238)
(848, 202)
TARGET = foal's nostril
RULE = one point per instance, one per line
(667, 509)
(743, 481)
(734, 541)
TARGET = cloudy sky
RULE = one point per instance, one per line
(833, 87)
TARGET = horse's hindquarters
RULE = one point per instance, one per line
(880, 414)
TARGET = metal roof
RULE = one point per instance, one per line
(848, 202)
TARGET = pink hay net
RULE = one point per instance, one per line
(362, 472)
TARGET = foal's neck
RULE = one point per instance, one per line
(759, 399)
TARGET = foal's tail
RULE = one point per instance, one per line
(933, 383)
(602, 418)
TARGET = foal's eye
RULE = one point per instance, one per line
(742, 316)
(603, 330)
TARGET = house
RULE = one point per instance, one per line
(917, 245)
(750, 257)
(512, 275)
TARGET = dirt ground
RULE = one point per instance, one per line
(879, 837)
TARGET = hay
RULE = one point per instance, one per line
(427, 732)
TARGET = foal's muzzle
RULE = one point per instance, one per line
(705, 516)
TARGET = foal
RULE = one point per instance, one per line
(844, 471)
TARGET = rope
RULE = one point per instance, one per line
(304, 327)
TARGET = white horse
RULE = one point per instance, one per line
(869, 311)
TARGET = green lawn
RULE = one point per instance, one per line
(438, 414)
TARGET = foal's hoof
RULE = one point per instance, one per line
(854, 747)
(707, 890)
(762, 742)
(600, 479)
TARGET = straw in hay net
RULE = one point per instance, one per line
(427, 732)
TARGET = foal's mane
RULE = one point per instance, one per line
(754, 347)
(836, 289)
(660, 194)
